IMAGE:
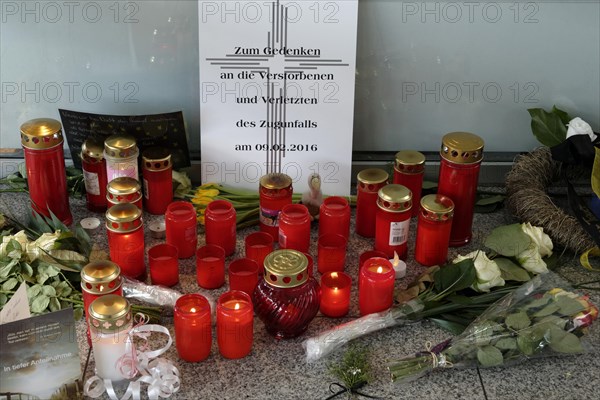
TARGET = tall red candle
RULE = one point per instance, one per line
(275, 192)
(164, 265)
(334, 217)
(409, 170)
(294, 228)
(235, 324)
(393, 220)
(124, 189)
(461, 156)
(193, 335)
(258, 245)
(181, 228)
(157, 171)
(126, 239)
(335, 294)
(220, 228)
(94, 173)
(42, 142)
(376, 291)
(369, 182)
(433, 230)
(210, 266)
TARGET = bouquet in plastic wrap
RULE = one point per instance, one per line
(543, 317)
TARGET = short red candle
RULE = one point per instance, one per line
(335, 294)
(93, 166)
(369, 182)
(235, 324)
(409, 170)
(376, 291)
(193, 335)
(220, 225)
(433, 230)
(332, 253)
(126, 239)
(294, 228)
(258, 245)
(210, 266)
(275, 192)
(243, 275)
(180, 224)
(157, 172)
(392, 220)
(364, 256)
(334, 217)
(164, 265)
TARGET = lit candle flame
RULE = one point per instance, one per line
(193, 309)
(396, 259)
(237, 306)
(334, 275)
(379, 269)
(101, 287)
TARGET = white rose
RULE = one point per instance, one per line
(577, 126)
(488, 272)
(531, 260)
(46, 243)
(537, 235)
(20, 237)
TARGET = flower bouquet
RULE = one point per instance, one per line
(541, 318)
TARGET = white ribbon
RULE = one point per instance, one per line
(160, 374)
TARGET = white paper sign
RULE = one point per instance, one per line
(277, 91)
(17, 308)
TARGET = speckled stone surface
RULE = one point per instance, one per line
(277, 369)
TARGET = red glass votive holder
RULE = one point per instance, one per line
(210, 266)
(181, 227)
(376, 292)
(235, 324)
(220, 225)
(335, 294)
(332, 253)
(258, 245)
(164, 265)
(243, 275)
(364, 256)
(294, 227)
(193, 334)
(334, 217)
(311, 264)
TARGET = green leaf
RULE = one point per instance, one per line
(48, 290)
(22, 170)
(40, 303)
(537, 303)
(552, 261)
(453, 327)
(507, 343)
(458, 299)
(487, 200)
(508, 240)
(547, 127)
(48, 269)
(77, 314)
(454, 277)
(14, 249)
(553, 319)
(489, 356)
(10, 284)
(33, 291)
(517, 321)
(549, 309)
(54, 304)
(564, 342)
(6, 270)
(511, 271)
(26, 269)
(526, 344)
(568, 306)
(3, 299)
(565, 118)
(85, 243)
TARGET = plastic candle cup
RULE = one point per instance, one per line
(334, 217)
(93, 166)
(220, 225)
(258, 245)
(157, 172)
(364, 256)
(121, 155)
(335, 294)
(210, 266)
(275, 191)
(124, 190)
(126, 239)
(235, 324)
(392, 220)
(294, 228)
(164, 265)
(409, 170)
(369, 182)
(376, 292)
(181, 228)
(193, 327)
(332, 253)
(243, 275)
(433, 230)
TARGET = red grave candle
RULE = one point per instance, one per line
(331, 254)
(275, 192)
(157, 172)
(461, 156)
(369, 182)
(243, 275)
(180, 224)
(42, 142)
(294, 228)
(334, 217)
(124, 189)
(393, 220)
(220, 225)
(409, 170)
(126, 239)
(164, 265)
(376, 291)
(94, 174)
(210, 266)
(235, 324)
(335, 294)
(364, 256)
(193, 335)
(258, 245)
(433, 230)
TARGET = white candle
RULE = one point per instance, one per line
(158, 230)
(399, 266)
(90, 225)
(109, 347)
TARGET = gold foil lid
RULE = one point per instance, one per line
(123, 218)
(394, 198)
(92, 150)
(120, 146)
(41, 133)
(276, 181)
(100, 277)
(437, 207)
(286, 268)
(372, 176)
(462, 148)
(156, 159)
(110, 313)
(410, 162)
(123, 186)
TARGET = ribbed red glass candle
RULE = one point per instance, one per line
(433, 230)
(235, 324)
(334, 217)
(164, 265)
(157, 172)
(94, 174)
(126, 239)
(409, 170)
(376, 291)
(369, 182)
(193, 334)
(180, 224)
(42, 142)
(335, 294)
(210, 266)
(219, 220)
(393, 220)
(294, 228)
(275, 192)
(461, 156)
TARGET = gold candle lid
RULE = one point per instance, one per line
(123, 218)
(462, 148)
(110, 313)
(275, 181)
(100, 277)
(120, 146)
(286, 268)
(156, 159)
(92, 150)
(41, 133)
(120, 189)
(394, 198)
(410, 162)
(437, 207)
(372, 176)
